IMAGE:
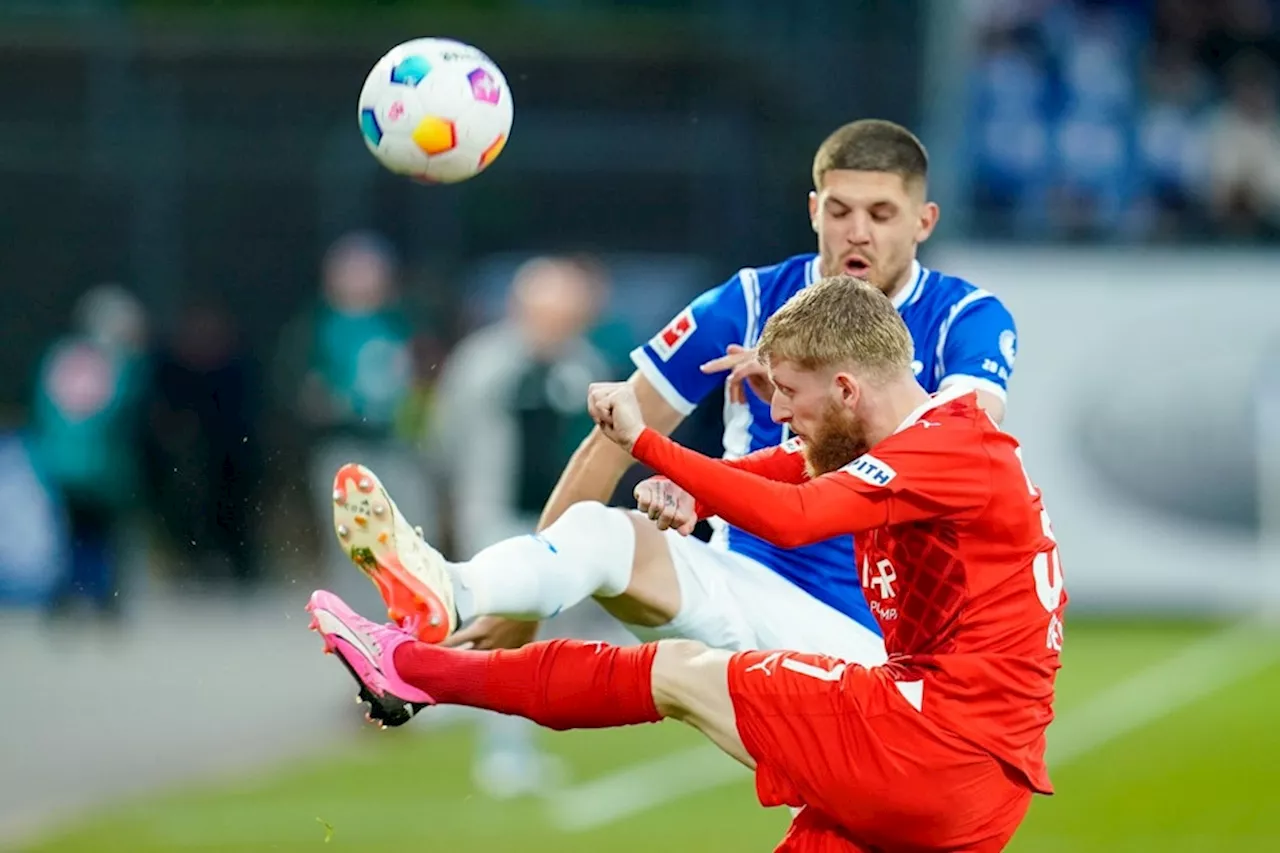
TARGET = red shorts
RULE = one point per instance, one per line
(872, 771)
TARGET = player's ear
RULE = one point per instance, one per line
(929, 214)
(848, 389)
(813, 210)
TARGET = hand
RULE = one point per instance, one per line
(667, 504)
(743, 366)
(494, 632)
(615, 409)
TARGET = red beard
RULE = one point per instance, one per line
(837, 440)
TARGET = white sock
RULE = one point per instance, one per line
(587, 552)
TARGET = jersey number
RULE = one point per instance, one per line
(1046, 568)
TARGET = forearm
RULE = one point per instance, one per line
(592, 474)
(598, 464)
(786, 514)
(784, 463)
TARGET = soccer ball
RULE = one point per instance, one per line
(435, 109)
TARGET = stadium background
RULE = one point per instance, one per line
(1110, 169)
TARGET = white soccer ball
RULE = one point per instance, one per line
(435, 109)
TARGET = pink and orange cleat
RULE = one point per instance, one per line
(409, 573)
(367, 650)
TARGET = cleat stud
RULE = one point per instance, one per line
(315, 624)
(338, 496)
(361, 520)
(365, 484)
(434, 621)
(343, 531)
(379, 509)
(383, 538)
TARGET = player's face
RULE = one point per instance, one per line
(820, 408)
(869, 224)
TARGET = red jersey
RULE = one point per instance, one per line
(955, 553)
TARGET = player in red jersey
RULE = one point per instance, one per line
(940, 748)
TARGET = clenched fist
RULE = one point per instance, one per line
(667, 504)
(615, 409)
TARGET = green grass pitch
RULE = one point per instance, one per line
(1198, 769)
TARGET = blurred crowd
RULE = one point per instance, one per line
(1126, 119)
(173, 449)
(175, 453)
(210, 454)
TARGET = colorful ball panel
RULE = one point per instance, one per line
(435, 135)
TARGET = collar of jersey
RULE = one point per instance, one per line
(904, 297)
(911, 292)
(946, 395)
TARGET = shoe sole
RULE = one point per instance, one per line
(383, 711)
(364, 522)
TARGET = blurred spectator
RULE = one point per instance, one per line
(1095, 179)
(1173, 140)
(511, 404)
(1244, 149)
(85, 431)
(204, 454)
(511, 409)
(610, 333)
(1012, 101)
(351, 359)
(1065, 145)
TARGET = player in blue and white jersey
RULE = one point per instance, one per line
(870, 212)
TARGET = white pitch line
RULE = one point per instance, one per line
(641, 787)
(1192, 673)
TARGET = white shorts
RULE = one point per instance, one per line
(729, 601)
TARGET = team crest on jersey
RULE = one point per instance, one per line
(671, 338)
(795, 444)
(1009, 346)
(870, 470)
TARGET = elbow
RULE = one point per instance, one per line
(790, 543)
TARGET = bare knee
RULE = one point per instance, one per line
(691, 684)
(690, 680)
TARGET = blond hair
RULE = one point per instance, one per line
(873, 145)
(839, 321)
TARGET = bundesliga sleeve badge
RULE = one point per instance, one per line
(671, 338)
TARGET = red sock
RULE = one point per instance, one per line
(560, 684)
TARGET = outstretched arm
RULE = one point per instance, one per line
(671, 506)
(782, 464)
(909, 479)
(788, 514)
